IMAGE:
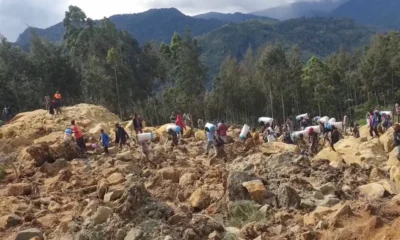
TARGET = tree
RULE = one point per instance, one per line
(113, 59)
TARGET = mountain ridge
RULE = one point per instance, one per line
(233, 17)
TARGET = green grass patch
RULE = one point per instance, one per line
(243, 212)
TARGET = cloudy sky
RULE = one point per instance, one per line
(16, 15)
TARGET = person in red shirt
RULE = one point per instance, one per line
(78, 136)
(222, 128)
(179, 122)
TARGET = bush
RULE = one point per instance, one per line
(2, 173)
(243, 212)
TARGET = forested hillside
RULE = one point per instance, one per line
(382, 13)
(97, 63)
(152, 25)
(315, 36)
(233, 17)
(301, 9)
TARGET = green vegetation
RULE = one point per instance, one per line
(241, 213)
(315, 36)
(259, 69)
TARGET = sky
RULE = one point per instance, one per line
(17, 15)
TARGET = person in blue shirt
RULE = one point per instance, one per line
(105, 140)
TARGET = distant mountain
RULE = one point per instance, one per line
(155, 24)
(383, 13)
(233, 17)
(319, 8)
(315, 36)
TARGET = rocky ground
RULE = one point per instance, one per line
(261, 192)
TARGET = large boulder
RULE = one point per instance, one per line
(256, 189)
(29, 234)
(200, 199)
(288, 197)
(372, 191)
(386, 140)
(353, 150)
(40, 154)
(19, 189)
(235, 190)
(67, 151)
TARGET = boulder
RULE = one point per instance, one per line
(328, 188)
(256, 189)
(125, 156)
(116, 178)
(90, 209)
(11, 220)
(95, 131)
(187, 179)
(386, 140)
(113, 195)
(389, 186)
(53, 206)
(29, 234)
(170, 173)
(101, 215)
(372, 191)
(352, 150)
(19, 189)
(68, 151)
(102, 188)
(40, 154)
(393, 159)
(200, 199)
(134, 234)
(235, 190)
(288, 197)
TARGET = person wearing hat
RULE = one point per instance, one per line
(68, 135)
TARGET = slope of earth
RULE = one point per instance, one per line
(245, 192)
(315, 36)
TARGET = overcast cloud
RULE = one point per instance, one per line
(16, 15)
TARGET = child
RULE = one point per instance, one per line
(105, 140)
(210, 139)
